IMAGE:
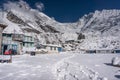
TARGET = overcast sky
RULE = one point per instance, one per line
(70, 10)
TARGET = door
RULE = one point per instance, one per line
(59, 49)
(5, 47)
(14, 48)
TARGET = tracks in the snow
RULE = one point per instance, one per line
(66, 70)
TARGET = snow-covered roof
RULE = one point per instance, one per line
(12, 29)
(53, 45)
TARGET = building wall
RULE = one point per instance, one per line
(1, 29)
(28, 44)
(28, 41)
(17, 42)
(99, 51)
(52, 49)
(104, 51)
(117, 51)
(8, 43)
(49, 48)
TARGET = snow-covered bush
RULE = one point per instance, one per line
(116, 61)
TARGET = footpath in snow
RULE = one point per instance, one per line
(65, 66)
(66, 70)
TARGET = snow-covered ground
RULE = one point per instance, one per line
(63, 66)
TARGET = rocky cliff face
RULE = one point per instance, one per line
(101, 21)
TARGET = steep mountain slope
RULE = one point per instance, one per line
(102, 21)
(46, 29)
(101, 28)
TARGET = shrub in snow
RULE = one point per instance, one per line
(116, 61)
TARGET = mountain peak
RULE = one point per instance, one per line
(93, 25)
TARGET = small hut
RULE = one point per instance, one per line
(49, 48)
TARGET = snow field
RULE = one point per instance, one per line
(63, 66)
(66, 70)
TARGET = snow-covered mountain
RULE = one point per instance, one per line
(46, 29)
(101, 28)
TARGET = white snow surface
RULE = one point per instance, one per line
(116, 61)
(63, 66)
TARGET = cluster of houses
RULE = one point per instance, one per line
(71, 45)
(48, 48)
(20, 42)
(104, 51)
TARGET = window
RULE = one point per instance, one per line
(26, 38)
(30, 38)
(28, 44)
(51, 48)
(54, 48)
(31, 44)
(9, 35)
(23, 44)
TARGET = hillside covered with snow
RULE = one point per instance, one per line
(101, 28)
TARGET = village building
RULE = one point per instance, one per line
(90, 51)
(12, 39)
(100, 51)
(28, 42)
(105, 51)
(53, 48)
(49, 48)
(116, 51)
(2, 27)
